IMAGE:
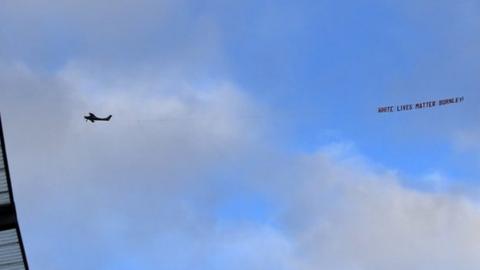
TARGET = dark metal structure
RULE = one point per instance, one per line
(12, 251)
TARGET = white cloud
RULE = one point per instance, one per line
(156, 169)
(143, 189)
(348, 217)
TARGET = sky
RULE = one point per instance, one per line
(245, 134)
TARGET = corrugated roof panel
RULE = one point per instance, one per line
(8, 236)
(3, 180)
(4, 198)
(17, 266)
(12, 254)
(10, 251)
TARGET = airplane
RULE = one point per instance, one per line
(92, 117)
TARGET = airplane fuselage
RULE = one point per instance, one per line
(92, 118)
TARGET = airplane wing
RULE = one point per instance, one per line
(92, 115)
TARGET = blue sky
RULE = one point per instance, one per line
(245, 134)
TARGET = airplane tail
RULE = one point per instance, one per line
(109, 117)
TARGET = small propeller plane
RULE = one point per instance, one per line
(92, 117)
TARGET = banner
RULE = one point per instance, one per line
(420, 105)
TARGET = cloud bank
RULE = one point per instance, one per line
(145, 190)
(190, 173)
